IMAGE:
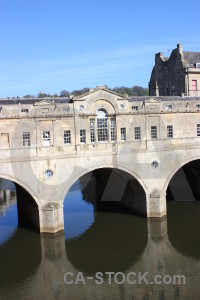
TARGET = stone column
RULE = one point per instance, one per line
(156, 204)
(51, 217)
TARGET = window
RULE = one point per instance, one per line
(194, 85)
(135, 108)
(123, 134)
(26, 141)
(66, 109)
(46, 138)
(137, 133)
(170, 131)
(198, 106)
(102, 125)
(45, 110)
(92, 134)
(48, 173)
(67, 137)
(168, 107)
(198, 129)
(5, 140)
(24, 110)
(154, 132)
(155, 164)
(82, 136)
(112, 129)
(166, 71)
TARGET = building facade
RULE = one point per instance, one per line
(46, 146)
(179, 74)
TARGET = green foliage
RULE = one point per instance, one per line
(80, 92)
(64, 93)
(132, 91)
(28, 96)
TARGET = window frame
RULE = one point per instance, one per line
(67, 137)
(82, 136)
(154, 133)
(123, 134)
(26, 138)
(92, 130)
(46, 138)
(137, 132)
(198, 129)
(112, 129)
(170, 132)
(194, 81)
(102, 126)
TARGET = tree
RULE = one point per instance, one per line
(64, 93)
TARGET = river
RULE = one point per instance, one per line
(76, 264)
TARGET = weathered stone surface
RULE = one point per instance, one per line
(173, 76)
(48, 172)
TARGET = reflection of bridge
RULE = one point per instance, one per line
(47, 145)
(40, 262)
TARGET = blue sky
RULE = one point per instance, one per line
(52, 45)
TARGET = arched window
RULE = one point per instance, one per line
(102, 125)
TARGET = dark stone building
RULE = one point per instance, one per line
(177, 75)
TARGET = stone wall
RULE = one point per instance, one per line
(174, 72)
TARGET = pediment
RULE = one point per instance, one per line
(99, 95)
(44, 102)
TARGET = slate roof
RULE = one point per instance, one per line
(163, 98)
(192, 57)
(30, 101)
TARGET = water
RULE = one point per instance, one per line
(32, 266)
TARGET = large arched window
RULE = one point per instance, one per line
(102, 125)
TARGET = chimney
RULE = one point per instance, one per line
(179, 48)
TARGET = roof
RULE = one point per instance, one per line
(192, 57)
(33, 100)
(163, 98)
(29, 101)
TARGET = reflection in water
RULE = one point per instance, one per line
(184, 227)
(33, 265)
(8, 210)
(78, 214)
(114, 242)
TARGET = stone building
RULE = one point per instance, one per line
(47, 145)
(176, 75)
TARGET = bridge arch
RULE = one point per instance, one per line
(28, 205)
(126, 171)
(23, 185)
(176, 169)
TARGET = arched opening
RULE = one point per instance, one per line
(114, 236)
(102, 125)
(185, 183)
(112, 198)
(183, 207)
(17, 209)
(20, 248)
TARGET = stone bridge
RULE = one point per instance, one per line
(133, 145)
